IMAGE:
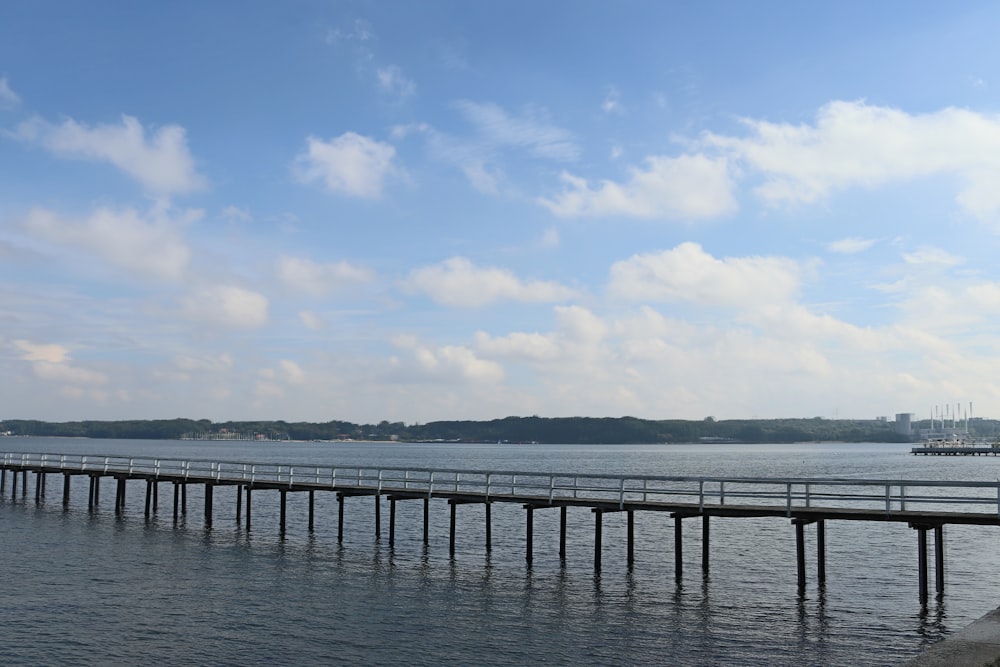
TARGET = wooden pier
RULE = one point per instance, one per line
(923, 505)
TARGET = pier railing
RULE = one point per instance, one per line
(893, 497)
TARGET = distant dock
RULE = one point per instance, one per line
(957, 450)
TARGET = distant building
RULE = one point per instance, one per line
(904, 423)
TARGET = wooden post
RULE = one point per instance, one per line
(13, 487)
(704, 543)
(562, 533)
(24, 483)
(821, 552)
(3, 479)
(38, 487)
(177, 495)
(120, 496)
(281, 524)
(427, 521)
(800, 554)
(451, 530)
(598, 515)
(678, 548)
(630, 559)
(922, 562)
(392, 521)
(239, 503)
(939, 559)
(156, 495)
(378, 516)
(312, 509)
(90, 492)
(247, 487)
(184, 498)
(209, 491)
(529, 539)
(149, 497)
(489, 529)
(66, 481)
(44, 476)
(340, 517)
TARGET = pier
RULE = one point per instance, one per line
(956, 450)
(925, 506)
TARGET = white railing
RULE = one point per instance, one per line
(788, 494)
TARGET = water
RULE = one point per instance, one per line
(92, 588)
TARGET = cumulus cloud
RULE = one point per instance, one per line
(447, 363)
(850, 246)
(854, 144)
(688, 187)
(350, 164)
(146, 245)
(161, 162)
(458, 282)
(45, 352)
(226, 306)
(51, 362)
(316, 279)
(8, 98)
(688, 273)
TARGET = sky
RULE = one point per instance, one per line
(403, 211)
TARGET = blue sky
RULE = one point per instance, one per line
(454, 210)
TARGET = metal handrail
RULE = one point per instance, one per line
(890, 496)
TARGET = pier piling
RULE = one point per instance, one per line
(598, 515)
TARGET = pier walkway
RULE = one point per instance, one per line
(923, 505)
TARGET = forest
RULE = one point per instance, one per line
(534, 429)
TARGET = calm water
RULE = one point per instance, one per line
(91, 588)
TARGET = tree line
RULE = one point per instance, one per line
(555, 430)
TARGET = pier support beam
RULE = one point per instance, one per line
(120, 496)
(451, 529)
(39, 484)
(3, 479)
(489, 528)
(281, 519)
(149, 497)
(13, 487)
(239, 503)
(704, 543)
(312, 510)
(177, 496)
(248, 507)
(939, 559)
(427, 522)
(66, 481)
(630, 558)
(392, 521)
(340, 518)
(598, 515)
(562, 533)
(378, 516)
(209, 491)
(678, 547)
(156, 495)
(24, 483)
(529, 532)
(184, 498)
(821, 552)
(800, 554)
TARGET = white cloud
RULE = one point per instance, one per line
(457, 282)
(350, 164)
(147, 245)
(392, 81)
(315, 279)
(688, 273)
(46, 352)
(226, 306)
(448, 363)
(612, 103)
(853, 144)
(161, 163)
(8, 98)
(689, 187)
(850, 246)
(929, 256)
(292, 372)
(311, 320)
(531, 131)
